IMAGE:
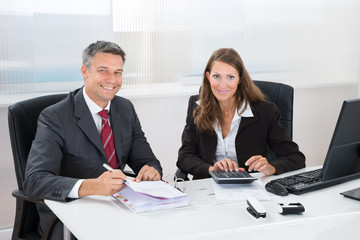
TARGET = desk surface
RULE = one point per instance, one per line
(328, 215)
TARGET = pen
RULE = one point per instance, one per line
(112, 170)
(108, 167)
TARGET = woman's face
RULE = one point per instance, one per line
(224, 80)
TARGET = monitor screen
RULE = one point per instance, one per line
(343, 156)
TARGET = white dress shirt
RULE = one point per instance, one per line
(94, 109)
(226, 146)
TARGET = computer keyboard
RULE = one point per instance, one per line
(232, 177)
(296, 183)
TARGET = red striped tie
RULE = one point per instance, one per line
(108, 139)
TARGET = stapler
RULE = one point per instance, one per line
(255, 208)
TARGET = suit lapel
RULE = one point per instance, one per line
(246, 121)
(209, 143)
(86, 121)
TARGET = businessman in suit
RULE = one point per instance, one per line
(67, 154)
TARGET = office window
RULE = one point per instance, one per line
(168, 42)
(42, 41)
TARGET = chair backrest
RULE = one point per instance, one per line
(22, 119)
(283, 97)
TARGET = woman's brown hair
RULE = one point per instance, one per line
(247, 92)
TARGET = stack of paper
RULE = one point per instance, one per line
(239, 192)
(151, 196)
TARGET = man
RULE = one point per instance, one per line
(67, 155)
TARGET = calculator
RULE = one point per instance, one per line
(232, 177)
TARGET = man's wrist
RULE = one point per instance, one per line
(74, 193)
(87, 188)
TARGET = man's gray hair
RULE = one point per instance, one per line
(101, 47)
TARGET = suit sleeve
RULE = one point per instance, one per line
(189, 159)
(42, 180)
(289, 157)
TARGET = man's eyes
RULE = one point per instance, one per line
(118, 73)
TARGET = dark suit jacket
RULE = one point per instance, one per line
(197, 152)
(67, 146)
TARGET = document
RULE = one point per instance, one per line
(150, 196)
(239, 192)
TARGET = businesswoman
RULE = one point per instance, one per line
(230, 124)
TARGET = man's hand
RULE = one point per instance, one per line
(260, 163)
(225, 165)
(106, 184)
(148, 174)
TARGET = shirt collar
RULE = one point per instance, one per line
(94, 108)
(247, 113)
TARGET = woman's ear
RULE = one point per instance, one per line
(208, 75)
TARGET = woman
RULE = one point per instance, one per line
(229, 126)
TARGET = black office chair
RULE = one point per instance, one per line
(283, 97)
(22, 119)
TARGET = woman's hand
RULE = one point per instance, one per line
(260, 163)
(225, 165)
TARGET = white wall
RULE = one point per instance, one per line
(316, 111)
(7, 174)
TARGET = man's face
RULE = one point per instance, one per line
(104, 78)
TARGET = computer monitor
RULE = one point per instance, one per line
(343, 156)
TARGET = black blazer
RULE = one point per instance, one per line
(67, 146)
(197, 152)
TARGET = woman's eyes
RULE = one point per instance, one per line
(216, 76)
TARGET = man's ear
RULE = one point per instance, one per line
(84, 71)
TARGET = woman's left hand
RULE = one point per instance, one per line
(260, 163)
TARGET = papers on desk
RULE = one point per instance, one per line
(150, 196)
(239, 192)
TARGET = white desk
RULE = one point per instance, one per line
(328, 215)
